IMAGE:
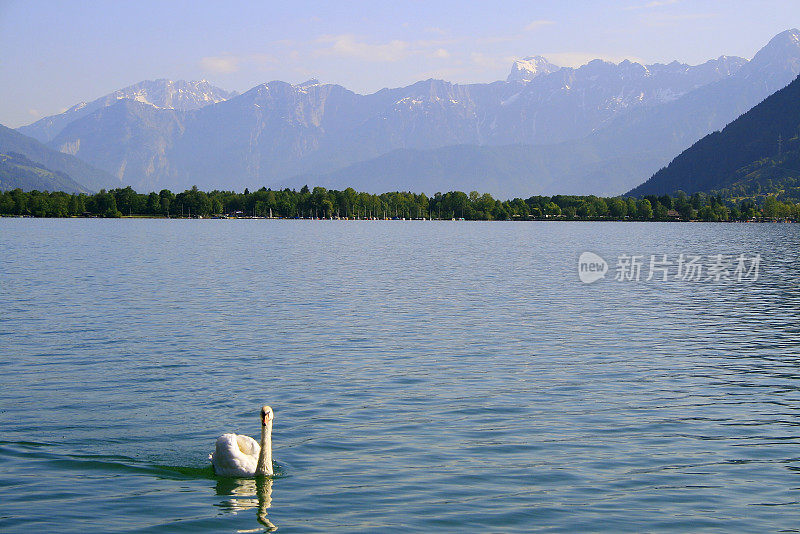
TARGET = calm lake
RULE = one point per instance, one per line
(425, 377)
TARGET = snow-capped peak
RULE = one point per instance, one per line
(781, 53)
(525, 70)
(77, 107)
(169, 94)
(309, 83)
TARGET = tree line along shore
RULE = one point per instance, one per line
(321, 203)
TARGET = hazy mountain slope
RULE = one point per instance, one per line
(163, 94)
(277, 130)
(712, 106)
(88, 176)
(17, 171)
(611, 161)
(504, 171)
(264, 133)
(573, 103)
(136, 138)
(753, 142)
(636, 116)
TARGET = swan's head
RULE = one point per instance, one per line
(266, 415)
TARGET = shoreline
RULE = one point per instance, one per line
(351, 219)
(324, 204)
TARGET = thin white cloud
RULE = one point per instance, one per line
(262, 61)
(536, 24)
(436, 30)
(497, 39)
(489, 61)
(350, 46)
(220, 64)
(666, 19)
(347, 45)
(432, 43)
(653, 4)
(229, 63)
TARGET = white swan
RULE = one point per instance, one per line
(240, 456)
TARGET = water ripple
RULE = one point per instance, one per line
(425, 377)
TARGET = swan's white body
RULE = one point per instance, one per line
(237, 455)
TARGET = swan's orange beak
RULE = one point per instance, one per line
(266, 415)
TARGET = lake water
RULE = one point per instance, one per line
(425, 377)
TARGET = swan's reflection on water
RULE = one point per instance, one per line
(246, 494)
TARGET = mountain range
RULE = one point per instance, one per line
(758, 153)
(601, 128)
(161, 94)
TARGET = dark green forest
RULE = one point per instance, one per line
(754, 156)
(319, 203)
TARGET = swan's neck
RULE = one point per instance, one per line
(264, 466)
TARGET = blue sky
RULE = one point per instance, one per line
(58, 53)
